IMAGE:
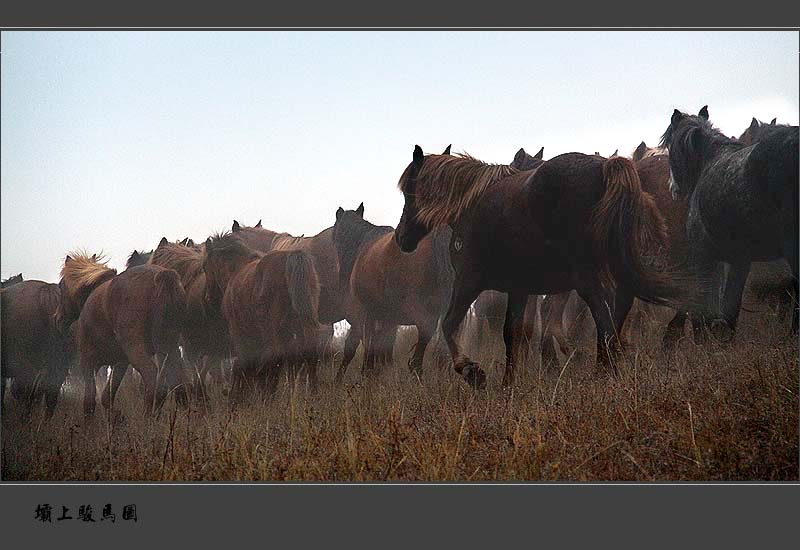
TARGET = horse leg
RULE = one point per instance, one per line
(424, 335)
(89, 388)
(512, 332)
(462, 297)
(118, 371)
(147, 369)
(608, 320)
(790, 252)
(350, 347)
(174, 378)
(674, 331)
(368, 367)
(732, 300)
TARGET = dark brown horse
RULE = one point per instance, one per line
(205, 333)
(577, 221)
(125, 319)
(387, 288)
(36, 350)
(270, 302)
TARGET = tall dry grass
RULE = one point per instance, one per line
(716, 413)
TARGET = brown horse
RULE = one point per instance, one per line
(205, 333)
(270, 302)
(36, 351)
(577, 221)
(320, 248)
(124, 319)
(388, 288)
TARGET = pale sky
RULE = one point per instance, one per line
(111, 140)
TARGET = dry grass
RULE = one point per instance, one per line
(713, 414)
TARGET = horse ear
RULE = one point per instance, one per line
(208, 242)
(676, 117)
(754, 123)
(94, 257)
(185, 241)
(339, 213)
(540, 154)
(360, 210)
(162, 242)
(447, 150)
(640, 151)
(519, 158)
(773, 121)
(419, 156)
(235, 227)
(68, 259)
(258, 224)
(703, 112)
(615, 153)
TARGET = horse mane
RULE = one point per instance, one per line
(350, 236)
(448, 185)
(226, 244)
(285, 241)
(186, 260)
(83, 271)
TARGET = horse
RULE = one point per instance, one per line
(388, 288)
(524, 161)
(138, 258)
(271, 305)
(758, 129)
(642, 151)
(36, 350)
(742, 208)
(205, 333)
(13, 280)
(577, 221)
(320, 249)
(125, 318)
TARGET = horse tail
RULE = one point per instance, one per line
(168, 310)
(302, 283)
(626, 226)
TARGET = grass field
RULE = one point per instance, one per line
(716, 413)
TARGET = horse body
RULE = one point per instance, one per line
(36, 353)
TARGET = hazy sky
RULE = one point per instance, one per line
(111, 140)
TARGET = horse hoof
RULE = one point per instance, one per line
(474, 376)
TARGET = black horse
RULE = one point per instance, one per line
(524, 161)
(742, 208)
(578, 221)
(11, 281)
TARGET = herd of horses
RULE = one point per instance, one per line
(677, 225)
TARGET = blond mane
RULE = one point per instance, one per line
(82, 271)
(448, 185)
(186, 260)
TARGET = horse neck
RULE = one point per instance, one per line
(356, 237)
